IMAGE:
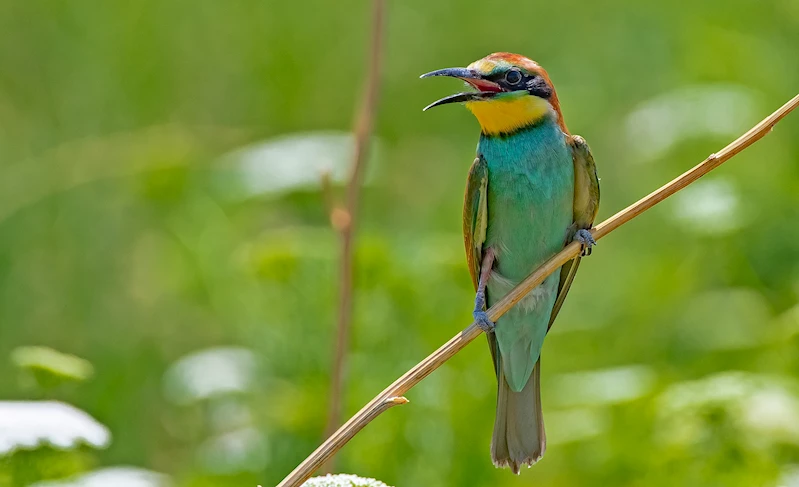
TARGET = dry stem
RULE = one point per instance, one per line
(454, 345)
(344, 220)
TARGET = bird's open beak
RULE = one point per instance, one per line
(485, 89)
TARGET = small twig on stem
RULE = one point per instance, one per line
(338, 216)
(459, 341)
(344, 219)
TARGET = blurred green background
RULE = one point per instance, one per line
(161, 219)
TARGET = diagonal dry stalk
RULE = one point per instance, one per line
(344, 219)
(392, 395)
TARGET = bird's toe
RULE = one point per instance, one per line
(586, 241)
(485, 324)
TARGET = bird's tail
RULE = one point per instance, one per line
(519, 436)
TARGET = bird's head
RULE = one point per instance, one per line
(511, 92)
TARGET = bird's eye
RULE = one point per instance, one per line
(513, 77)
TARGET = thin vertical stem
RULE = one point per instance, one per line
(363, 131)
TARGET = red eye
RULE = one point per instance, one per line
(513, 77)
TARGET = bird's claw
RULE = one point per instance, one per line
(586, 241)
(481, 318)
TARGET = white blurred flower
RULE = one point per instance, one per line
(210, 373)
(688, 113)
(32, 424)
(343, 480)
(775, 412)
(112, 477)
(709, 206)
(763, 410)
(789, 477)
(294, 161)
(607, 386)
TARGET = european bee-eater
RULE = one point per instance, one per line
(531, 190)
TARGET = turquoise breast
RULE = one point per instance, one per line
(530, 208)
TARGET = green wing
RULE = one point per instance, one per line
(586, 205)
(475, 216)
(475, 222)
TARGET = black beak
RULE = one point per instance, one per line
(464, 74)
(461, 73)
(462, 97)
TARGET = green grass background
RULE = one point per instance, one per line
(129, 237)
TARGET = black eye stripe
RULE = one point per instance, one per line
(539, 87)
(534, 84)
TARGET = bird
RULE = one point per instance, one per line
(531, 190)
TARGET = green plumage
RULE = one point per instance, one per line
(526, 195)
(532, 189)
(530, 205)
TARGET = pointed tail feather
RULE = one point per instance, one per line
(519, 436)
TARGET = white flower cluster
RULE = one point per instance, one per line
(343, 480)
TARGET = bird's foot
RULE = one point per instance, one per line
(481, 318)
(586, 241)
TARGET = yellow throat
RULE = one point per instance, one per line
(505, 115)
